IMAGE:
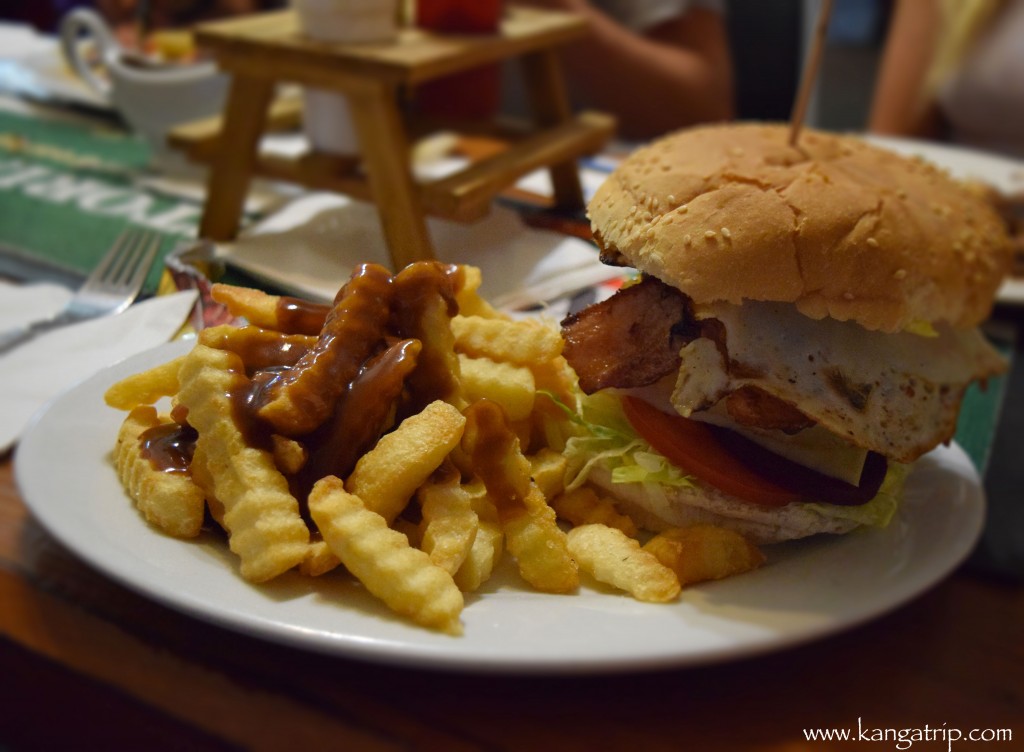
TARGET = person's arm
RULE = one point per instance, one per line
(676, 74)
(901, 105)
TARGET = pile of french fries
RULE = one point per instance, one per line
(409, 436)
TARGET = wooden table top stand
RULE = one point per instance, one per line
(260, 52)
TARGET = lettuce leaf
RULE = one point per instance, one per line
(607, 439)
(879, 511)
(604, 437)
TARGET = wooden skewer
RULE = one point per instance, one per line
(810, 73)
(141, 25)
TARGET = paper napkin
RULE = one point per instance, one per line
(312, 245)
(37, 371)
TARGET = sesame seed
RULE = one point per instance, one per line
(709, 234)
(726, 233)
(872, 242)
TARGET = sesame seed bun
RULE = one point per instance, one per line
(840, 228)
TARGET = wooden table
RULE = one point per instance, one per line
(260, 52)
(87, 664)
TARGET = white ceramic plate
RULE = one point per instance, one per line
(1002, 173)
(807, 589)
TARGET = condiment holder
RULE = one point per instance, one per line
(150, 96)
(263, 51)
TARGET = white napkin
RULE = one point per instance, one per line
(19, 40)
(32, 64)
(311, 246)
(37, 371)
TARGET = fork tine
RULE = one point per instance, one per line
(120, 275)
(112, 287)
(148, 245)
(110, 259)
(122, 270)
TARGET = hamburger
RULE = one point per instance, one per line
(803, 327)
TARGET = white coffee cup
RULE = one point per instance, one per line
(151, 98)
(328, 120)
(348, 20)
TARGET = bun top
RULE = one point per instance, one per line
(838, 227)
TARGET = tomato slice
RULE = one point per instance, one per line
(694, 448)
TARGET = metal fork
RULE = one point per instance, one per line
(113, 286)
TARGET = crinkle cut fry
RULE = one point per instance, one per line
(611, 556)
(532, 534)
(387, 476)
(280, 313)
(262, 518)
(303, 397)
(582, 506)
(523, 342)
(450, 524)
(424, 304)
(469, 299)
(363, 414)
(145, 387)
(381, 558)
(257, 347)
(171, 502)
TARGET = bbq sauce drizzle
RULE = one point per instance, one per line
(168, 447)
(393, 380)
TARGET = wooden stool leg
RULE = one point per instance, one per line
(385, 151)
(549, 103)
(245, 116)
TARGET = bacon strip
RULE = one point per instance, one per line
(631, 339)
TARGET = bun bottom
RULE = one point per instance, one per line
(678, 507)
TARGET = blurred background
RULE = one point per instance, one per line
(769, 38)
